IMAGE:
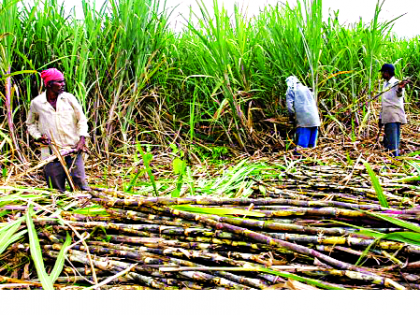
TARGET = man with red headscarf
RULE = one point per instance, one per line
(58, 116)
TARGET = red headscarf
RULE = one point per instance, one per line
(51, 74)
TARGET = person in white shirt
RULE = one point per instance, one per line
(57, 115)
(301, 104)
(392, 111)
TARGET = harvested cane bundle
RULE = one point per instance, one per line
(335, 238)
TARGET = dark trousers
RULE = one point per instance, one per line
(306, 136)
(56, 177)
(392, 138)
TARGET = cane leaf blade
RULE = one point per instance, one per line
(59, 263)
(376, 185)
(36, 252)
(7, 234)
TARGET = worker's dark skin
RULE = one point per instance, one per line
(54, 89)
(387, 76)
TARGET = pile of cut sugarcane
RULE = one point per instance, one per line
(253, 243)
(321, 228)
(352, 185)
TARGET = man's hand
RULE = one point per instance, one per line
(80, 146)
(44, 139)
(402, 84)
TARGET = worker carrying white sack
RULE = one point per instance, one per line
(302, 107)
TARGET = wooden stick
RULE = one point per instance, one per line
(53, 146)
(45, 162)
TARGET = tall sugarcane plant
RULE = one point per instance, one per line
(375, 36)
(141, 33)
(228, 50)
(134, 75)
(310, 25)
(9, 23)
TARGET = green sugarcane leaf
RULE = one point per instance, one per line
(16, 197)
(36, 253)
(7, 234)
(368, 233)
(415, 165)
(190, 181)
(101, 228)
(174, 148)
(5, 76)
(18, 221)
(398, 222)
(4, 212)
(376, 185)
(4, 35)
(262, 190)
(179, 166)
(407, 179)
(362, 230)
(92, 211)
(411, 238)
(133, 180)
(218, 211)
(147, 157)
(15, 238)
(175, 193)
(415, 153)
(365, 252)
(59, 263)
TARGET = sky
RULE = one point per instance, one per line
(349, 11)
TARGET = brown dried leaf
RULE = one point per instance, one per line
(296, 285)
(26, 274)
(279, 286)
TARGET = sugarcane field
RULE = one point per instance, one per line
(278, 151)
